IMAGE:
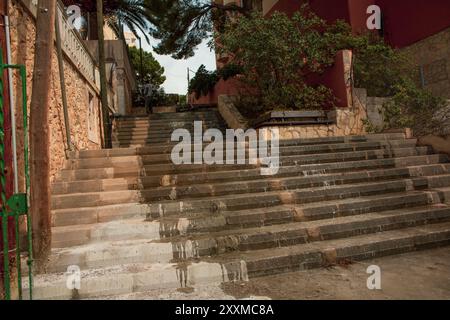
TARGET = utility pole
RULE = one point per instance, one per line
(103, 82)
(189, 82)
(39, 131)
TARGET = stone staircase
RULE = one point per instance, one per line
(133, 221)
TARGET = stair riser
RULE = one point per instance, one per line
(172, 117)
(151, 132)
(208, 123)
(144, 131)
(164, 129)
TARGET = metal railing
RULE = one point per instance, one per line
(17, 205)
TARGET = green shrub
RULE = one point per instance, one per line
(387, 72)
(412, 107)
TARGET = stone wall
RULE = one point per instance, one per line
(230, 114)
(439, 144)
(123, 81)
(78, 89)
(432, 55)
(346, 121)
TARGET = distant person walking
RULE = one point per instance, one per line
(148, 93)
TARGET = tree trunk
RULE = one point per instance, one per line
(39, 131)
(103, 82)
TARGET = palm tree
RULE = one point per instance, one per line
(117, 14)
(133, 14)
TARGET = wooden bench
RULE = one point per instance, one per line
(291, 118)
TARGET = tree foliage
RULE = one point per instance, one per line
(204, 80)
(278, 53)
(152, 71)
(181, 25)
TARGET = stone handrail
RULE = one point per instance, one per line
(72, 45)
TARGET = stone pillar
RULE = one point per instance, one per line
(120, 92)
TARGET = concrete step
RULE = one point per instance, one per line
(250, 186)
(137, 277)
(436, 163)
(182, 248)
(203, 113)
(143, 141)
(167, 148)
(123, 161)
(282, 214)
(227, 173)
(173, 116)
(137, 228)
(123, 133)
(219, 204)
(190, 208)
(170, 168)
(331, 252)
(168, 124)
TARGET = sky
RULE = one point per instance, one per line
(176, 70)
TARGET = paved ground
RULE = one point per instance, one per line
(419, 275)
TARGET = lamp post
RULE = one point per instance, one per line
(189, 81)
(140, 61)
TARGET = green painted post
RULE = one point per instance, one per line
(23, 75)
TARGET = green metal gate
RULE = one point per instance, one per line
(17, 205)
